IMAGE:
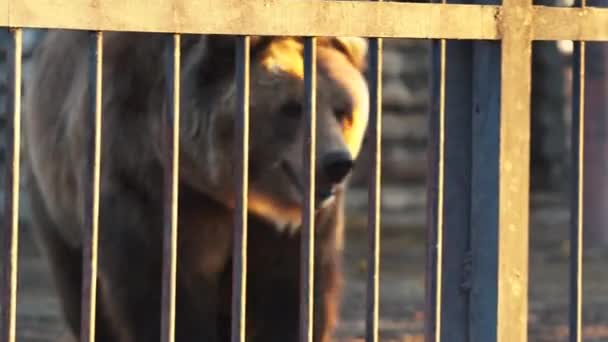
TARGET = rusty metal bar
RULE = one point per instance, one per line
(91, 197)
(308, 214)
(514, 171)
(239, 267)
(374, 195)
(171, 183)
(578, 162)
(11, 203)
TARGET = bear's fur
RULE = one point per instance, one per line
(132, 166)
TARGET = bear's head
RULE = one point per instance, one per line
(277, 135)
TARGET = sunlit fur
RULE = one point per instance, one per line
(284, 56)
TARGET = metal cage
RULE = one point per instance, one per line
(495, 127)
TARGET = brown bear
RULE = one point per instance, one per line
(132, 167)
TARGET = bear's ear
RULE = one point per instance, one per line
(356, 50)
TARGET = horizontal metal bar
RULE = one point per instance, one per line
(253, 17)
(311, 18)
(558, 23)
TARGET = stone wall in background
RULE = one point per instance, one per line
(405, 106)
(406, 97)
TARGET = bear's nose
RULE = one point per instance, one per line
(336, 165)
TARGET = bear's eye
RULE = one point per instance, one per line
(292, 109)
(343, 112)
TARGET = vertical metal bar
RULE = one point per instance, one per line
(171, 182)
(576, 229)
(373, 225)
(435, 232)
(91, 196)
(440, 197)
(452, 131)
(431, 285)
(514, 171)
(456, 192)
(239, 282)
(468, 304)
(308, 218)
(11, 204)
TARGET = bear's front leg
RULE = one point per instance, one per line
(131, 259)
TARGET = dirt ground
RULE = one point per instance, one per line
(402, 283)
